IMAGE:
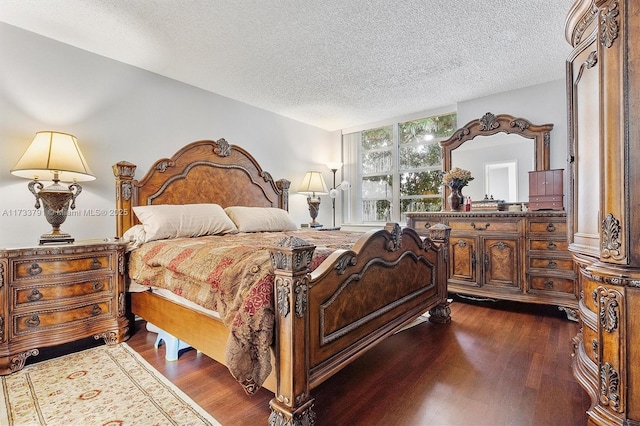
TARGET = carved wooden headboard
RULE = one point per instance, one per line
(201, 172)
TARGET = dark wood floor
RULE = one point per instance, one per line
(495, 364)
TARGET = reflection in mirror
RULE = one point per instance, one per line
(500, 166)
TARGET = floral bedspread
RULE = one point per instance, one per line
(232, 275)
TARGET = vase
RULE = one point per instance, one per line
(455, 199)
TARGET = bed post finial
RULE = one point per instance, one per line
(283, 186)
(124, 172)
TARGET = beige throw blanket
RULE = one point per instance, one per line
(232, 275)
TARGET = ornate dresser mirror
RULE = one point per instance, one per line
(499, 164)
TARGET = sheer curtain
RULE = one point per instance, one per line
(351, 205)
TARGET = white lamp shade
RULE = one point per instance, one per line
(52, 152)
(334, 166)
(313, 183)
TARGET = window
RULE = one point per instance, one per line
(396, 169)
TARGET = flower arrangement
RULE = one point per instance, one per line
(457, 178)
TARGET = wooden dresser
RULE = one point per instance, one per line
(520, 256)
(603, 86)
(51, 295)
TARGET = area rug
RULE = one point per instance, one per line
(105, 385)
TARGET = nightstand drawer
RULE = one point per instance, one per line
(51, 319)
(25, 296)
(52, 267)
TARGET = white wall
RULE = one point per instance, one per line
(540, 104)
(119, 112)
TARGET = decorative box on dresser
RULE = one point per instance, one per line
(519, 256)
(55, 294)
(603, 87)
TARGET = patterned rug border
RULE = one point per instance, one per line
(10, 400)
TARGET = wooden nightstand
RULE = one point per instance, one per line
(51, 295)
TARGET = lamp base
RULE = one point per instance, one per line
(315, 225)
(56, 238)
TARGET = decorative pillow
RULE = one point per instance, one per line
(260, 219)
(183, 220)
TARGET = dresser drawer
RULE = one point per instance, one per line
(546, 199)
(481, 224)
(51, 267)
(549, 245)
(51, 319)
(420, 225)
(561, 285)
(590, 341)
(554, 264)
(30, 295)
(549, 227)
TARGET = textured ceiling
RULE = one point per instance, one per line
(331, 63)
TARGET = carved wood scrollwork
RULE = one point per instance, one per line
(2, 274)
(223, 149)
(283, 289)
(126, 190)
(301, 288)
(607, 300)
(306, 418)
(611, 237)
(301, 257)
(344, 262)
(396, 238)
(609, 24)
(110, 337)
(163, 165)
(488, 122)
(17, 361)
(609, 386)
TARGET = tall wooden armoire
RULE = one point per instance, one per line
(603, 86)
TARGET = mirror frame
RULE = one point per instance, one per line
(491, 124)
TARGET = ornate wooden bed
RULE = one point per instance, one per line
(324, 319)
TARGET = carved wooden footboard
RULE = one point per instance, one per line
(351, 302)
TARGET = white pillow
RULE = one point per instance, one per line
(183, 220)
(134, 236)
(260, 219)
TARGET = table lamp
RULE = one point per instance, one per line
(313, 185)
(54, 156)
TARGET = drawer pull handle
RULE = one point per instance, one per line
(98, 286)
(548, 285)
(552, 265)
(33, 321)
(551, 227)
(95, 310)
(480, 228)
(551, 245)
(34, 269)
(427, 225)
(95, 263)
(35, 295)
